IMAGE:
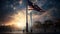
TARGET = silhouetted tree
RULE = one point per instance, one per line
(5, 28)
(37, 24)
(47, 24)
(57, 24)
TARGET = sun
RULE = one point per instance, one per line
(18, 25)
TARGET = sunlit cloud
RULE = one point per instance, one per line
(18, 20)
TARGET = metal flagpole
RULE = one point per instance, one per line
(26, 16)
(31, 21)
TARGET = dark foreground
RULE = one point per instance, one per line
(31, 33)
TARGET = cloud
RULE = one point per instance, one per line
(8, 8)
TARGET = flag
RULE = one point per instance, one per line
(32, 6)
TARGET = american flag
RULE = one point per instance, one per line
(33, 6)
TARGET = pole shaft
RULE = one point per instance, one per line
(26, 16)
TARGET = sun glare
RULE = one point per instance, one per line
(19, 20)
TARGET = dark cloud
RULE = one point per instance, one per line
(7, 8)
(53, 4)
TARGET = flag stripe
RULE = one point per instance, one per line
(35, 7)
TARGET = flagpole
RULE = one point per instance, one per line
(26, 16)
(31, 21)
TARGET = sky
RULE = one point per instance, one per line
(53, 6)
(9, 10)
